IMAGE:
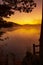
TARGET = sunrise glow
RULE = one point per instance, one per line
(34, 17)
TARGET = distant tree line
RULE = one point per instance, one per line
(5, 24)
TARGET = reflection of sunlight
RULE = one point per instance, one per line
(20, 39)
(31, 33)
(25, 32)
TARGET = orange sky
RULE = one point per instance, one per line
(34, 17)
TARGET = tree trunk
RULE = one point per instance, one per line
(41, 44)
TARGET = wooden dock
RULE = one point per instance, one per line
(34, 49)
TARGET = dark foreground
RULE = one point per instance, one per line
(10, 59)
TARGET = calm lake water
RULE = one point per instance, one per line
(18, 40)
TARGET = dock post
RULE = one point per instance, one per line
(33, 49)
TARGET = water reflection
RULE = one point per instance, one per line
(19, 39)
(3, 31)
(1, 35)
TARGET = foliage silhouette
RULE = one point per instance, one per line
(10, 6)
(5, 10)
(25, 6)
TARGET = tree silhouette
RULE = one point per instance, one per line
(10, 6)
(5, 10)
(41, 44)
(20, 5)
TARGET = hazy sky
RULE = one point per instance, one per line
(28, 18)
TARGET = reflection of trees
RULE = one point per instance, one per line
(7, 30)
(1, 34)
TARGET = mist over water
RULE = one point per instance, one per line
(18, 40)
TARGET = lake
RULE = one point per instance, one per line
(18, 40)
